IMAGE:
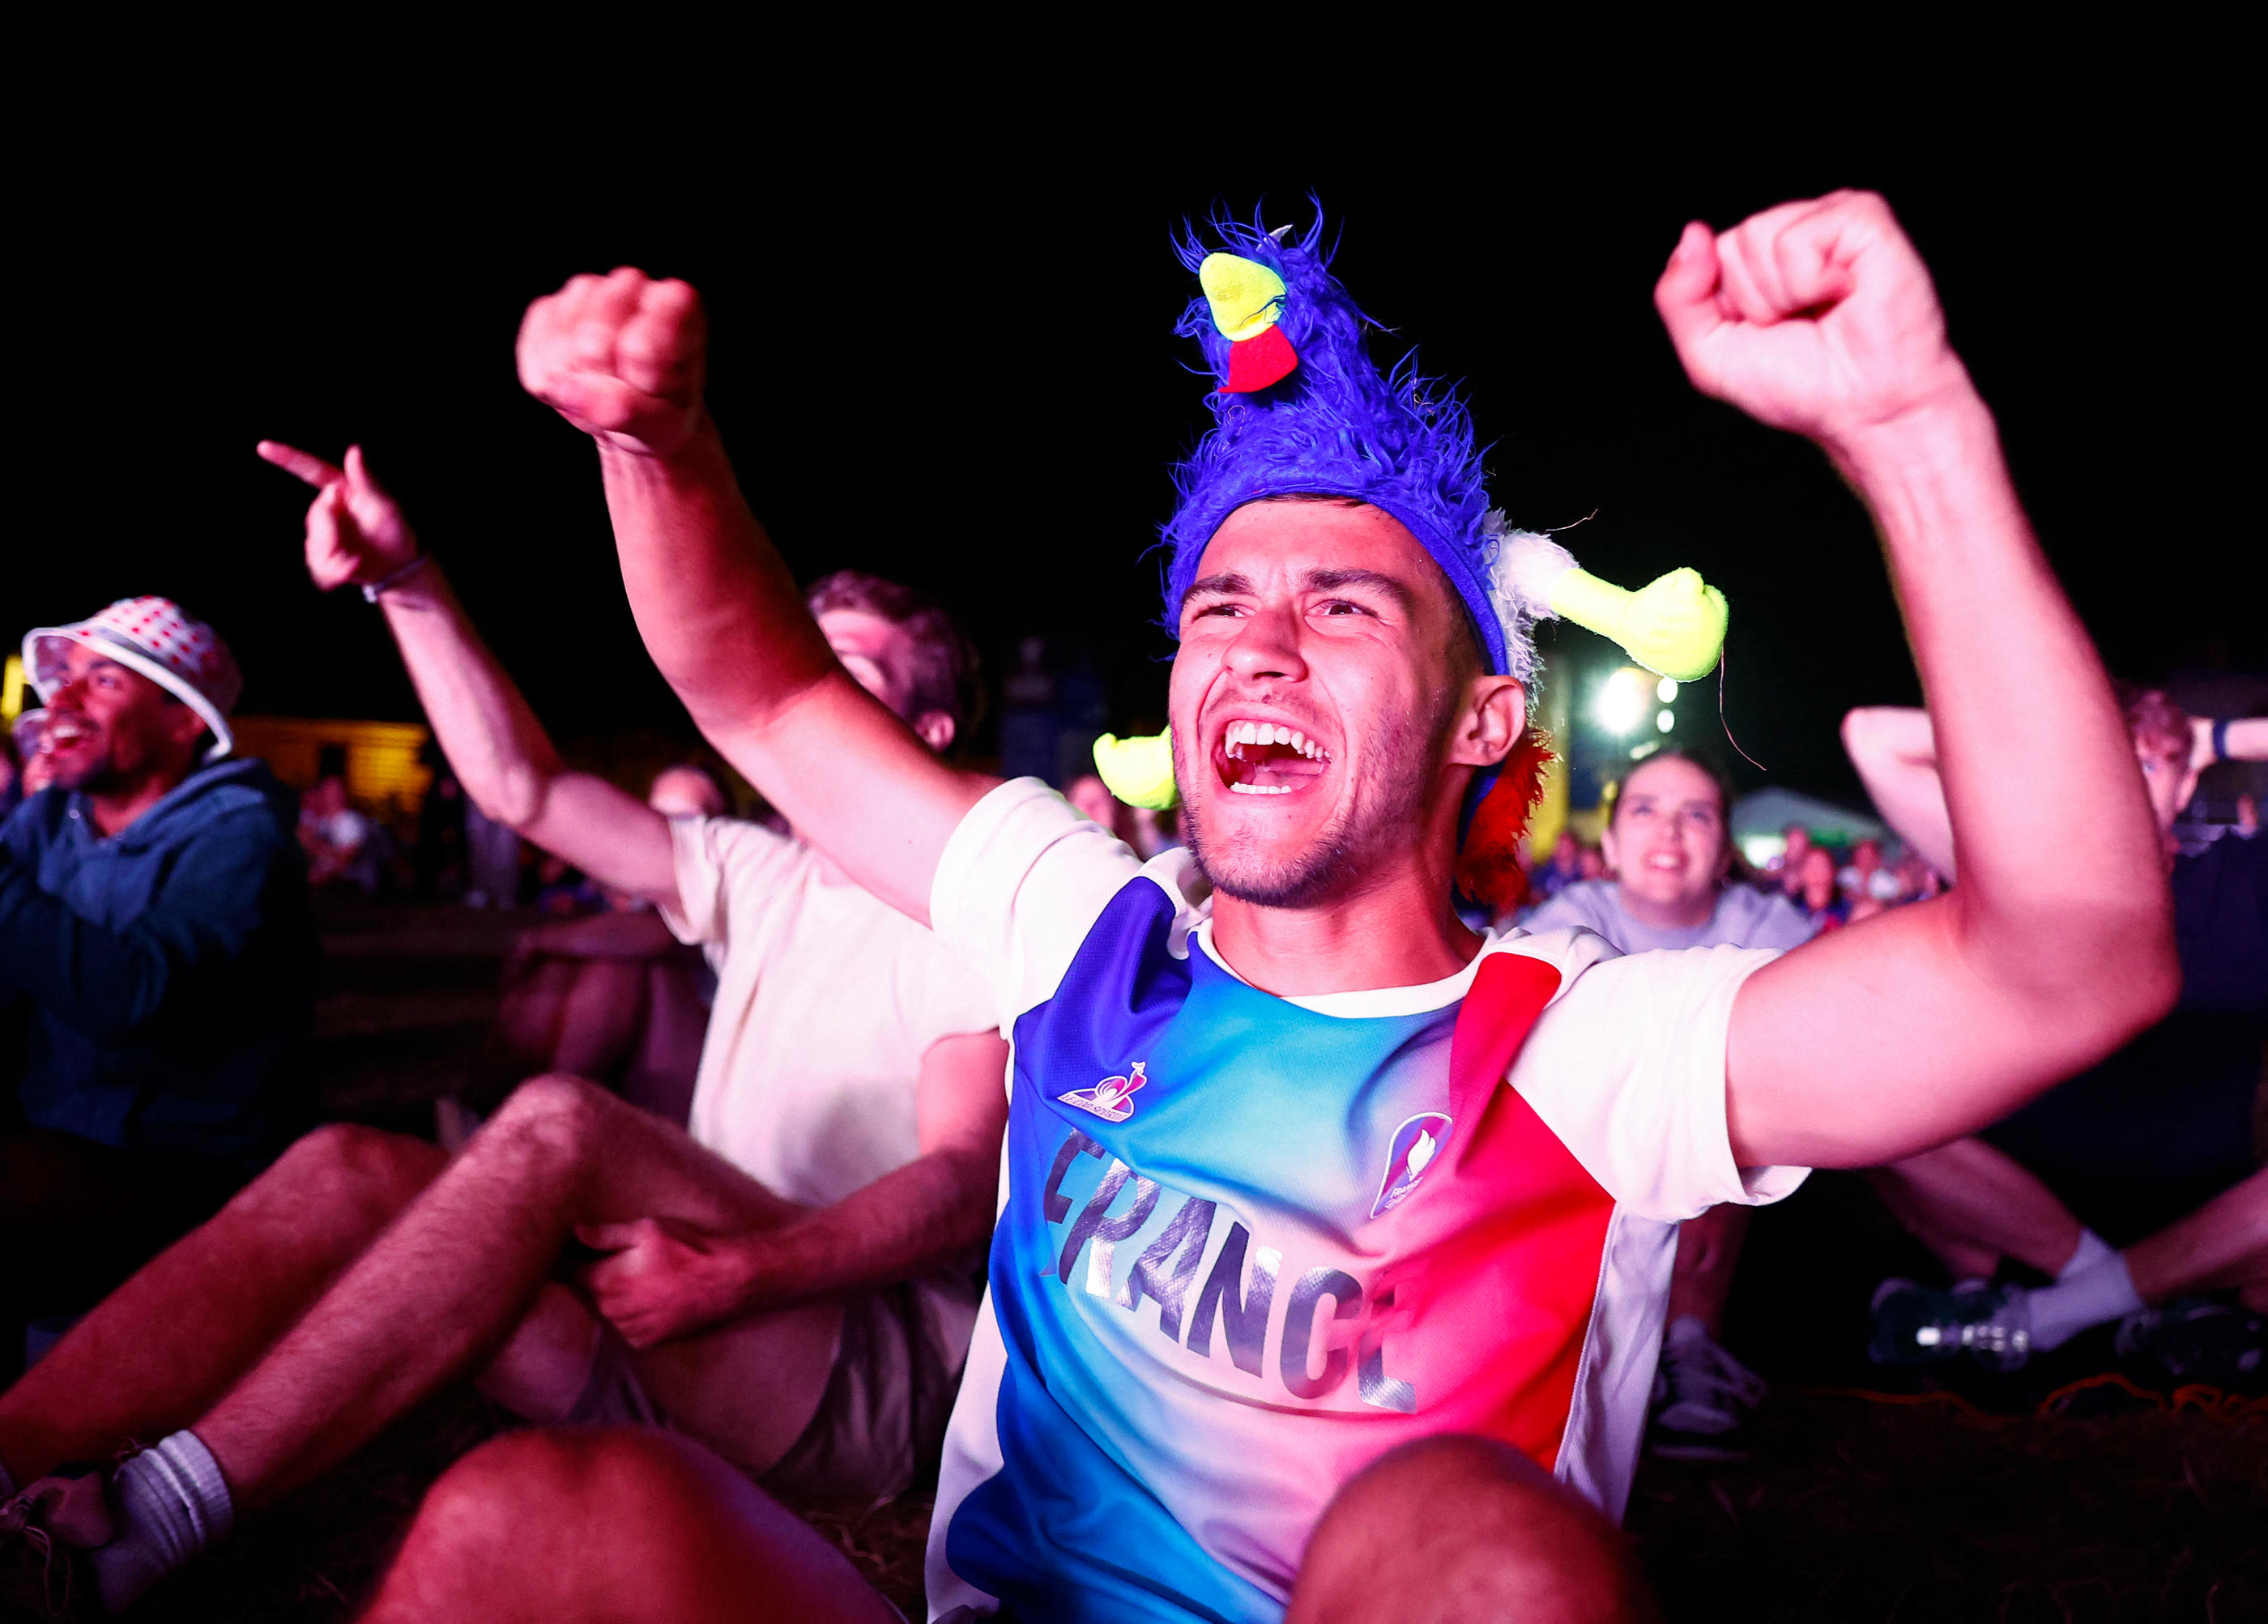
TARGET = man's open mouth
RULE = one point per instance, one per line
(1267, 758)
(63, 732)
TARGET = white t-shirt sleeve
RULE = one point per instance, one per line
(1020, 884)
(729, 871)
(1627, 1067)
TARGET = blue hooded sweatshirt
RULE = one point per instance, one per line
(170, 966)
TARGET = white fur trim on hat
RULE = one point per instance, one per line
(1522, 568)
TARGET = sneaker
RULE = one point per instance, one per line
(1914, 1324)
(2197, 1340)
(1701, 1394)
(45, 1532)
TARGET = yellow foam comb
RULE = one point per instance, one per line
(1245, 295)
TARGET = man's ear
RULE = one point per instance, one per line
(183, 725)
(937, 730)
(1494, 716)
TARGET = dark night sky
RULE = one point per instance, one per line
(942, 297)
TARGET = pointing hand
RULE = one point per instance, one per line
(356, 532)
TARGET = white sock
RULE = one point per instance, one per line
(2092, 1249)
(2080, 1298)
(172, 1504)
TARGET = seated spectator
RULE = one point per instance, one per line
(153, 912)
(1671, 849)
(563, 891)
(1147, 832)
(343, 846)
(1564, 869)
(36, 769)
(613, 996)
(1816, 895)
(1865, 876)
(2133, 1184)
(793, 1285)
(1785, 869)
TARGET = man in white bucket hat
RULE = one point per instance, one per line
(153, 912)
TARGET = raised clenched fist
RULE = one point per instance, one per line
(622, 357)
(1817, 317)
(355, 529)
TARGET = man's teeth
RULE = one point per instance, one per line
(1260, 789)
(1239, 734)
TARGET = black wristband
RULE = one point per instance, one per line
(2220, 738)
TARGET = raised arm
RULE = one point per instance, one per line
(356, 533)
(623, 358)
(1894, 749)
(2243, 739)
(2058, 945)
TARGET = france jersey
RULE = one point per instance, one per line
(1249, 1244)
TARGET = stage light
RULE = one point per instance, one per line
(1664, 720)
(1666, 690)
(1619, 706)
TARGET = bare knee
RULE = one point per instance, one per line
(359, 1173)
(567, 1523)
(1458, 1528)
(555, 1116)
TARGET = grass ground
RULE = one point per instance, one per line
(1868, 1498)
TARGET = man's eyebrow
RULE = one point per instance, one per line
(1218, 585)
(1339, 580)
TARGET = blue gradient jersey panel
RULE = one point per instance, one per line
(1251, 1243)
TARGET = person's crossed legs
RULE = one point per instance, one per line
(457, 1283)
(1972, 1204)
(580, 1526)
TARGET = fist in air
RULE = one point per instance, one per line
(355, 531)
(622, 357)
(1817, 317)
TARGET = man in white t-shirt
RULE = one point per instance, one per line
(1330, 1263)
(793, 1284)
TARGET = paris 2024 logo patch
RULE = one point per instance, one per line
(1108, 1098)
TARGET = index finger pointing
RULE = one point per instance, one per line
(292, 459)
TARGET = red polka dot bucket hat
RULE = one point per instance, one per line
(155, 637)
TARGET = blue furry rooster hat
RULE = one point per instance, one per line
(1300, 409)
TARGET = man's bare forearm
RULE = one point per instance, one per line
(505, 760)
(716, 603)
(913, 1217)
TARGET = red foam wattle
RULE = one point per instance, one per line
(1266, 357)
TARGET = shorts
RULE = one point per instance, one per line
(880, 1421)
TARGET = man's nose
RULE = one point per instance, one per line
(1268, 646)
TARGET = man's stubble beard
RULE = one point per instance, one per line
(1333, 861)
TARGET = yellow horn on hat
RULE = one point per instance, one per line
(1674, 625)
(1139, 771)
